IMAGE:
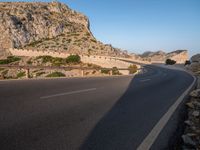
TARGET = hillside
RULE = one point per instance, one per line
(180, 56)
(55, 28)
(48, 26)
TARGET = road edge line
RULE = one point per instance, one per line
(154, 133)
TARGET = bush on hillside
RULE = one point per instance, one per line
(187, 62)
(9, 60)
(45, 59)
(21, 74)
(56, 74)
(73, 59)
(105, 71)
(115, 71)
(170, 62)
(132, 69)
(56, 61)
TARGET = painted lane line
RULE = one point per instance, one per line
(68, 93)
(144, 80)
(152, 136)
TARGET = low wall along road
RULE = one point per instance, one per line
(103, 61)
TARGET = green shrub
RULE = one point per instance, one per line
(73, 59)
(9, 59)
(170, 62)
(115, 71)
(132, 69)
(105, 71)
(21, 74)
(45, 59)
(187, 62)
(56, 61)
(29, 62)
(56, 74)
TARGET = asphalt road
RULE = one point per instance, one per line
(101, 113)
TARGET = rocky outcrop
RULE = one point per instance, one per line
(195, 64)
(180, 56)
(191, 136)
(49, 26)
(196, 58)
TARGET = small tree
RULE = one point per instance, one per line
(187, 62)
(170, 62)
(132, 69)
(105, 71)
(115, 71)
(73, 59)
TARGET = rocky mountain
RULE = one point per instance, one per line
(52, 26)
(180, 56)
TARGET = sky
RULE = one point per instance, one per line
(143, 25)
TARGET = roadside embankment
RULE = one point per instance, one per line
(191, 135)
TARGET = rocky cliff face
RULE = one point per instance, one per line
(195, 63)
(180, 56)
(52, 26)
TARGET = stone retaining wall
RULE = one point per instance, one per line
(103, 61)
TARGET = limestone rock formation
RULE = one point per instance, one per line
(180, 56)
(52, 26)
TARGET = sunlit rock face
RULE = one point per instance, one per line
(52, 26)
(180, 56)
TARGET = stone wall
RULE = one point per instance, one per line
(35, 53)
(103, 61)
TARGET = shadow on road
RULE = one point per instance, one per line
(134, 115)
(123, 127)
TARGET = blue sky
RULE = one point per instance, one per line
(144, 25)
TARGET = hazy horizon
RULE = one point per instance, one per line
(139, 26)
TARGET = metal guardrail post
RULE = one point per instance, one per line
(27, 73)
(82, 72)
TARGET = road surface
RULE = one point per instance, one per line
(100, 113)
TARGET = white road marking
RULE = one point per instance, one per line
(67, 93)
(144, 80)
(152, 136)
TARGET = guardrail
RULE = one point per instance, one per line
(66, 68)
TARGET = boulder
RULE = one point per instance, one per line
(188, 140)
(195, 93)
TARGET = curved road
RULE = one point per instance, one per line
(100, 113)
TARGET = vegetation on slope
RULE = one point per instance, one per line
(132, 69)
(9, 60)
(170, 62)
(56, 74)
(56, 61)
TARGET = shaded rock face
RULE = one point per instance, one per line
(195, 64)
(180, 56)
(43, 26)
(196, 58)
(24, 23)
